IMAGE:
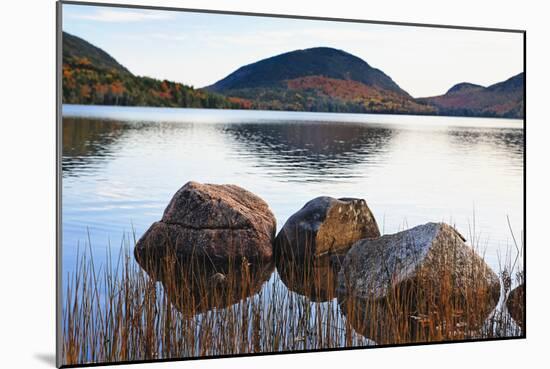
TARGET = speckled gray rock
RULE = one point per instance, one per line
(413, 279)
(221, 223)
(325, 225)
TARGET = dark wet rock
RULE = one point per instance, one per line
(323, 226)
(220, 223)
(198, 287)
(516, 304)
(313, 278)
(424, 283)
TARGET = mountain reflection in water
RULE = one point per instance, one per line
(309, 152)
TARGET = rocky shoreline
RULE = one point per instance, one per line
(330, 248)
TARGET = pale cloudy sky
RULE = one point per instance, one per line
(200, 49)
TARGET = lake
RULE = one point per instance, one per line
(122, 165)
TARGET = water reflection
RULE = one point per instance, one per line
(310, 151)
(395, 320)
(88, 142)
(198, 287)
(315, 279)
(509, 142)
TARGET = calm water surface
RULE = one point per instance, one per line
(121, 166)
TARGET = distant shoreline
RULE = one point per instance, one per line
(74, 111)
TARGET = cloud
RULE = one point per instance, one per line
(170, 36)
(318, 36)
(122, 16)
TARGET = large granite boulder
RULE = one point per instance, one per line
(422, 284)
(220, 223)
(323, 226)
(515, 303)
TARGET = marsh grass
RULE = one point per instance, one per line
(438, 305)
(116, 311)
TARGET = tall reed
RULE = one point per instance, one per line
(115, 311)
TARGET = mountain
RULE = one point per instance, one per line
(74, 48)
(317, 61)
(503, 99)
(317, 79)
(92, 76)
(464, 87)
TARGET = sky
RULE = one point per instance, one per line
(199, 49)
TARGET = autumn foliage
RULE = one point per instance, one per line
(86, 83)
(503, 99)
(358, 94)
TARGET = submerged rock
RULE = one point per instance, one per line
(220, 223)
(516, 305)
(422, 284)
(323, 226)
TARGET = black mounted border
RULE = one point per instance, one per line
(59, 144)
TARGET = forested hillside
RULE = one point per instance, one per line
(91, 76)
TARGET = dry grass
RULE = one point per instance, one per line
(117, 312)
